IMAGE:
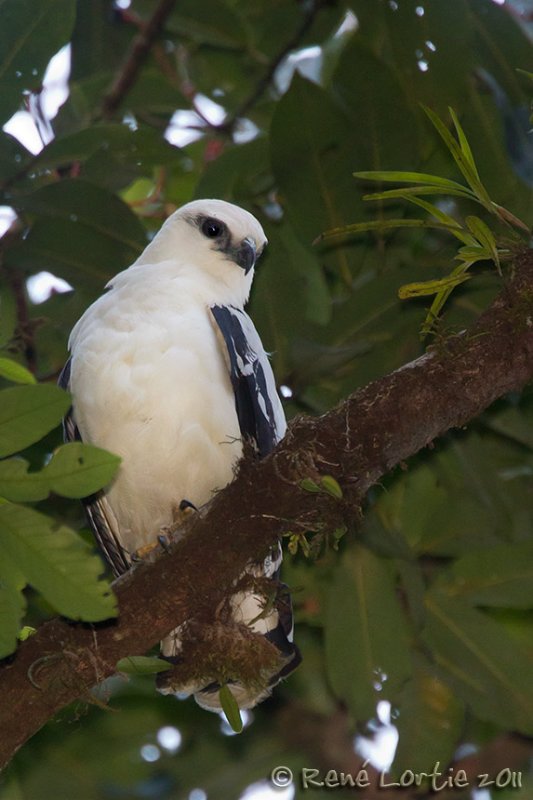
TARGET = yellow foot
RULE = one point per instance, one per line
(145, 551)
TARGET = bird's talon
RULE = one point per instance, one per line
(186, 507)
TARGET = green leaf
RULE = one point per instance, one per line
(142, 665)
(407, 191)
(367, 650)
(310, 146)
(30, 34)
(377, 225)
(442, 296)
(75, 470)
(463, 142)
(309, 485)
(15, 372)
(462, 160)
(423, 288)
(8, 314)
(57, 563)
(25, 632)
(82, 232)
(27, 413)
(485, 237)
(230, 708)
(396, 176)
(12, 604)
(481, 662)
(331, 486)
(500, 577)
(83, 203)
(429, 722)
(130, 148)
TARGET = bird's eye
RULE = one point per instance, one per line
(212, 228)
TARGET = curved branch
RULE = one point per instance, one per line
(359, 441)
(135, 58)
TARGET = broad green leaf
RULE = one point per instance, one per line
(8, 313)
(30, 34)
(133, 148)
(367, 648)
(82, 232)
(212, 23)
(429, 722)
(310, 148)
(83, 204)
(515, 423)
(27, 413)
(75, 470)
(142, 665)
(13, 157)
(15, 372)
(424, 288)
(12, 604)
(230, 708)
(500, 577)
(57, 563)
(487, 669)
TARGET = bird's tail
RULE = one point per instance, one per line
(267, 612)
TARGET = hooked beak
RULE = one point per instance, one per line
(246, 254)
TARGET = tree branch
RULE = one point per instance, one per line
(357, 442)
(137, 55)
(262, 85)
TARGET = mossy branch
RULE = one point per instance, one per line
(356, 443)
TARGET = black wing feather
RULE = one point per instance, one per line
(257, 420)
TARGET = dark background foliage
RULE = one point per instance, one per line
(429, 606)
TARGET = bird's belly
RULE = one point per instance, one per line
(162, 400)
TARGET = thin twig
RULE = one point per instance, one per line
(263, 84)
(137, 55)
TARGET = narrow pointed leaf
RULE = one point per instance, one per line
(230, 709)
(396, 176)
(378, 225)
(463, 142)
(142, 665)
(390, 194)
(460, 159)
(424, 288)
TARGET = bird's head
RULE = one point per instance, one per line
(218, 239)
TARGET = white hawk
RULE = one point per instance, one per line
(168, 371)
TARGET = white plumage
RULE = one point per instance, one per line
(168, 371)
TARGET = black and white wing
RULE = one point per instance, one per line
(99, 514)
(259, 410)
(262, 422)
